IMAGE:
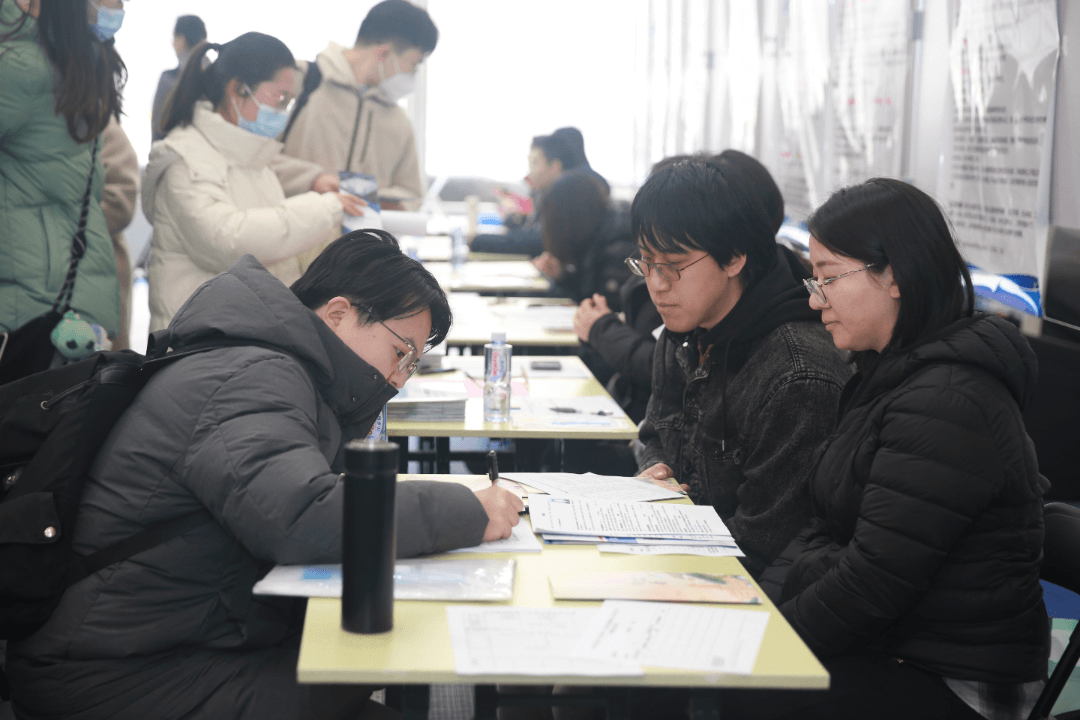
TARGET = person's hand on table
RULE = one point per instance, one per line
(589, 311)
(502, 508)
(660, 471)
(353, 205)
(548, 264)
(326, 183)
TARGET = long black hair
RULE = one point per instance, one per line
(890, 223)
(252, 58)
(90, 74)
(368, 268)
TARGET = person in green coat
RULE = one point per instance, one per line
(60, 82)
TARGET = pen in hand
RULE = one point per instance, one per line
(493, 466)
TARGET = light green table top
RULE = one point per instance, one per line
(418, 649)
(621, 427)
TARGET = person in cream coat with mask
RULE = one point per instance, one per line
(217, 187)
(347, 116)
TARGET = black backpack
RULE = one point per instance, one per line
(52, 424)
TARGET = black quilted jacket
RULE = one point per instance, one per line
(927, 530)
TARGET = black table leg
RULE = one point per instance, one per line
(442, 455)
(486, 701)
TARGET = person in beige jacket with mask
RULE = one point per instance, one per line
(347, 116)
(212, 189)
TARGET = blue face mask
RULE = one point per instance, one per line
(270, 122)
(108, 22)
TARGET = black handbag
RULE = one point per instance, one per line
(28, 349)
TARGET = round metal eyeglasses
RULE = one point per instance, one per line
(644, 268)
(817, 289)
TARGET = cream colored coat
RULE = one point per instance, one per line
(341, 115)
(212, 192)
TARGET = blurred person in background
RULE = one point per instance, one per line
(210, 189)
(189, 32)
(118, 202)
(549, 157)
(347, 116)
(60, 83)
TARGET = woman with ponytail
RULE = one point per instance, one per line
(60, 83)
(212, 189)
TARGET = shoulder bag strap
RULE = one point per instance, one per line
(78, 241)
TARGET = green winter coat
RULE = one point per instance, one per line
(42, 179)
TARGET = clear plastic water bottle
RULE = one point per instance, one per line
(378, 429)
(497, 379)
(459, 249)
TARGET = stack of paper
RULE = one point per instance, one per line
(575, 520)
(598, 487)
(616, 639)
(428, 400)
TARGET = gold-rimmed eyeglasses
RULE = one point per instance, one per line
(817, 289)
(408, 361)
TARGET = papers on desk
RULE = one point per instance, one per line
(521, 539)
(417, 579)
(616, 639)
(520, 367)
(580, 520)
(428, 401)
(525, 641)
(688, 637)
(597, 487)
(707, 550)
(648, 585)
(598, 410)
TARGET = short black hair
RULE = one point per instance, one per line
(572, 213)
(192, 28)
(889, 223)
(575, 146)
(401, 23)
(556, 147)
(368, 268)
(698, 204)
(760, 183)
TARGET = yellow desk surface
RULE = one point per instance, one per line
(418, 649)
(518, 276)
(475, 318)
(621, 428)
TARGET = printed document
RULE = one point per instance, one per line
(521, 540)
(688, 637)
(571, 516)
(524, 641)
(598, 487)
(713, 550)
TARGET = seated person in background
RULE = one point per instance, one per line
(347, 115)
(189, 32)
(549, 157)
(254, 436)
(586, 238)
(209, 190)
(745, 378)
(627, 345)
(916, 581)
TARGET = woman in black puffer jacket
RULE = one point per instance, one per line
(917, 581)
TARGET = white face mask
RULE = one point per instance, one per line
(399, 84)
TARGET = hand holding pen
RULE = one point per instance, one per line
(493, 475)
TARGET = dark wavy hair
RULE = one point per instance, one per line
(90, 74)
(252, 58)
(890, 223)
(698, 204)
(368, 268)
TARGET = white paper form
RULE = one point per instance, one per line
(708, 550)
(675, 635)
(609, 517)
(521, 540)
(599, 487)
(524, 641)
(677, 541)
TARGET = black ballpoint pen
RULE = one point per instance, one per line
(493, 466)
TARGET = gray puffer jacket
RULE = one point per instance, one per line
(248, 434)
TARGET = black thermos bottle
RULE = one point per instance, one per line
(369, 540)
